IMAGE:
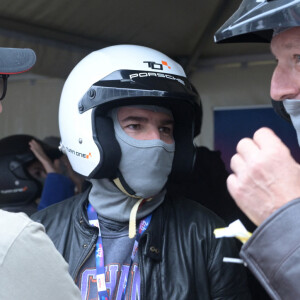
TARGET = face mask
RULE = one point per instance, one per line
(145, 164)
(292, 107)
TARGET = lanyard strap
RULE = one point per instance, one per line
(99, 253)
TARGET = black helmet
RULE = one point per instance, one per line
(18, 189)
(256, 20)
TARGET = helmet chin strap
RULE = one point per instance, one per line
(120, 183)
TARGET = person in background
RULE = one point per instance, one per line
(61, 182)
(64, 165)
(265, 182)
(22, 174)
(30, 266)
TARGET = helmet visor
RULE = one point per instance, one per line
(136, 85)
(255, 20)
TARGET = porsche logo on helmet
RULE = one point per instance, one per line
(156, 74)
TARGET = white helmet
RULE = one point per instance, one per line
(117, 76)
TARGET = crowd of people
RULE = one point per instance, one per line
(129, 204)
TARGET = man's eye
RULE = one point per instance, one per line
(297, 58)
(133, 126)
(166, 130)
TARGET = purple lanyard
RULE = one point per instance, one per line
(99, 253)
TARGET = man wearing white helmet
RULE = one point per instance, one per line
(128, 117)
(30, 266)
(265, 179)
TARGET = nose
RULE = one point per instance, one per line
(284, 85)
(153, 134)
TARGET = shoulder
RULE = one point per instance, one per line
(186, 209)
(24, 247)
(15, 222)
(61, 219)
(15, 227)
(182, 215)
(59, 211)
(191, 221)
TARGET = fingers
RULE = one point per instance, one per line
(37, 149)
(264, 143)
(35, 146)
(262, 171)
(57, 166)
(237, 163)
(39, 153)
(247, 151)
(232, 184)
(247, 147)
(233, 187)
(267, 140)
(263, 139)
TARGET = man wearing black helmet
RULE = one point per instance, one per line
(22, 175)
(128, 117)
(30, 266)
(265, 179)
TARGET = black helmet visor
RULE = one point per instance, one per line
(129, 87)
(255, 21)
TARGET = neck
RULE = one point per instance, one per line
(109, 202)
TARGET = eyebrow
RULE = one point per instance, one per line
(292, 44)
(144, 120)
(134, 119)
(295, 44)
(168, 122)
